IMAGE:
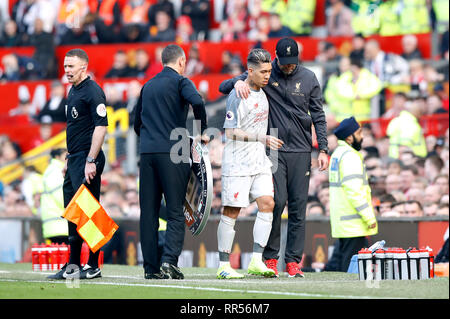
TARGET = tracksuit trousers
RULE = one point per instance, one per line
(291, 174)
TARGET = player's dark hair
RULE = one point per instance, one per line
(171, 53)
(80, 53)
(257, 57)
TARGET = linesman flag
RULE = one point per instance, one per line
(93, 223)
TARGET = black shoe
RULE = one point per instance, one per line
(90, 273)
(67, 271)
(156, 275)
(172, 271)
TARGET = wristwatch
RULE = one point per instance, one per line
(90, 159)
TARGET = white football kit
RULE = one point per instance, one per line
(246, 169)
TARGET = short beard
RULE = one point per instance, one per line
(357, 145)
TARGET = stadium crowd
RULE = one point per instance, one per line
(404, 185)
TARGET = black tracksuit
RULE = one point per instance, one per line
(83, 115)
(162, 107)
(295, 102)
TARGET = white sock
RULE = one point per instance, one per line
(225, 234)
(261, 231)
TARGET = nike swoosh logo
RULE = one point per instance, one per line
(75, 274)
(89, 276)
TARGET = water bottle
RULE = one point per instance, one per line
(396, 263)
(431, 254)
(380, 257)
(389, 264)
(424, 263)
(378, 245)
(413, 258)
(365, 264)
(403, 264)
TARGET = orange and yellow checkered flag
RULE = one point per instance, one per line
(93, 223)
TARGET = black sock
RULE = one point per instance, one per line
(75, 243)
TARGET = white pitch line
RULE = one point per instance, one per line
(280, 293)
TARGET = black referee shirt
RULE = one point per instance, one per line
(162, 107)
(85, 109)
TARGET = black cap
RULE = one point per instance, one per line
(287, 51)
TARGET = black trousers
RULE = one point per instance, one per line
(72, 182)
(158, 176)
(344, 249)
(291, 184)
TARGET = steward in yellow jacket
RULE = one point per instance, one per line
(352, 215)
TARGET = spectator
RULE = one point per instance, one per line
(443, 210)
(338, 107)
(234, 25)
(162, 31)
(185, 32)
(14, 204)
(413, 209)
(408, 174)
(299, 16)
(397, 105)
(406, 131)
(390, 68)
(161, 6)
(386, 203)
(417, 78)
(76, 35)
(261, 30)
(226, 60)
(409, 48)
(107, 20)
(358, 43)
(432, 194)
(142, 63)
(393, 183)
(415, 194)
(135, 12)
(357, 87)
(9, 150)
(133, 92)
(430, 209)
(276, 28)
(323, 195)
(339, 19)
(133, 33)
(199, 12)
(44, 53)
(439, 90)
(434, 105)
(315, 209)
(155, 66)
(10, 37)
(24, 13)
(420, 183)
(433, 167)
(54, 110)
(442, 181)
(193, 65)
(114, 98)
(120, 67)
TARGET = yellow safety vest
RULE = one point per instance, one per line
(414, 17)
(366, 87)
(441, 10)
(52, 201)
(299, 15)
(339, 107)
(366, 19)
(351, 210)
(405, 130)
(390, 18)
(273, 6)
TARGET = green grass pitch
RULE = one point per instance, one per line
(18, 281)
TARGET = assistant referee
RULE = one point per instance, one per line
(162, 110)
(86, 130)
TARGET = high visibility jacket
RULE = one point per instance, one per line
(52, 201)
(106, 11)
(441, 10)
(31, 186)
(414, 17)
(299, 15)
(340, 107)
(273, 6)
(351, 210)
(137, 14)
(366, 87)
(72, 12)
(390, 12)
(366, 19)
(405, 130)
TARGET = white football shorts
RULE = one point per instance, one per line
(240, 191)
